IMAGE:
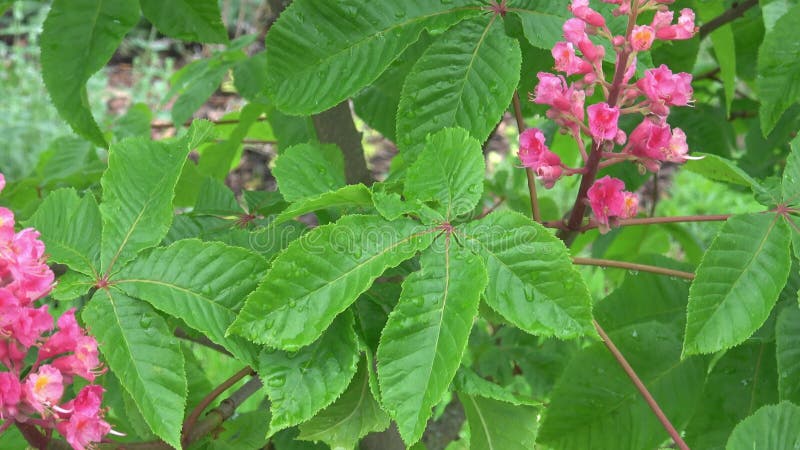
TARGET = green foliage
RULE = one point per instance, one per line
(307, 170)
(787, 340)
(491, 419)
(774, 427)
(778, 70)
(190, 20)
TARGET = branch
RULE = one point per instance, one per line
(641, 388)
(225, 410)
(528, 171)
(730, 15)
(633, 266)
(336, 126)
(166, 125)
(204, 341)
(647, 221)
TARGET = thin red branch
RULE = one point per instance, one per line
(633, 267)
(165, 125)
(647, 221)
(528, 171)
(730, 15)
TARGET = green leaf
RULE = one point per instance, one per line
(78, 38)
(737, 283)
(717, 168)
(69, 160)
(773, 427)
(594, 398)
(448, 172)
(724, 49)
(470, 383)
(464, 79)
(218, 159)
(307, 170)
(351, 196)
(70, 228)
(249, 76)
(787, 339)
(300, 384)
(542, 21)
(313, 46)
(215, 198)
(188, 20)
(778, 80)
(321, 274)
(202, 283)
(145, 357)
(496, 425)
(137, 197)
(351, 417)
(790, 184)
(71, 285)
(426, 334)
(532, 282)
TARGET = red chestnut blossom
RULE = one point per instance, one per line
(83, 361)
(603, 121)
(534, 153)
(85, 425)
(609, 201)
(575, 31)
(664, 89)
(642, 37)
(44, 388)
(654, 142)
(581, 10)
(684, 29)
(567, 61)
(10, 395)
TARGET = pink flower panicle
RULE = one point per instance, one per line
(580, 57)
(62, 354)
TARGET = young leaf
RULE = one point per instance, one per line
(144, 356)
(203, 283)
(71, 285)
(313, 45)
(70, 228)
(737, 283)
(778, 78)
(532, 282)
(78, 38)
(350, 418)
(300, 384)
(321, 274)
(774, 427)
(542, 21)
(137, 197)
(188, 20)
(594, 399)
(307, 170)
(787, 340)
(464, 79)
(470, 383)
(350, 196)
(449, 172)
(426, 334)
(491, 423)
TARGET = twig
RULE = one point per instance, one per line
(225, 410)
(528, 171)
(31, 434)
(189, 424)
(641, 388)
(632, 266)
(204, 341)
(730, 15)
(165, 125)
(496, 204)
(646, 221)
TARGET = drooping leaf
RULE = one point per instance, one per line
(203, 283)
(470, 383)
(774, 427)
(464, 79)
(717, 168)
(321, 274)
(351, 196)
(70, 228)
(594, 399)
(313, 46)
(137, 196)
(144, 356)
(350, 418)
(219, 158)
(301, 383)
(724, 49)
(449, 173)
(491, 422)
(778, 79)
(426, 334)
(307, 170)
(188, 20)
(787, 340)
(78, 38)
(737, 283)
(532, 282)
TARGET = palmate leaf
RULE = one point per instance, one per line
(497, 425)
(350, 418)
(778, 78)
(542, 21)
(78, 38)
(737, 283)
(301, 383)
(350, 196)
(532, 282)
(144, 356)
(448, 172)
(323, 52)
(137, 197)
(321, 274)
(465, 78)
(203, 283)
(426, 334)
(787, 340)
(773, 427)
(308, 170)
(189, 20)
(70, 228)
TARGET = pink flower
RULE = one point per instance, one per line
(678, 148)
(549, 89)
(654, 142)
(581, 10)
(86, 424)
(2, 182)
(642, 37)
(665, 89)
(6, 225)
(567, 61)
(533, 153)
(685, 29)
(593, 53)
(10, 395)
(603, 121)
(9, 308)
(82, 362)
(30, 325)
(575, 31)
(63, 340)
(609, 201)
(44, 388)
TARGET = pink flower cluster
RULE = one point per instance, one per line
(34, 393)
(650, 143)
